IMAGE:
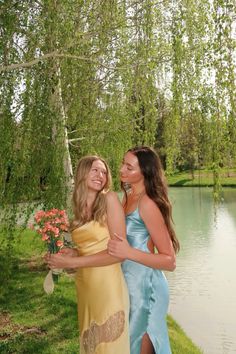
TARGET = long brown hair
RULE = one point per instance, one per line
(156, 186)
(80, 193)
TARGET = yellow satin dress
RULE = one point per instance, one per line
(103, 301)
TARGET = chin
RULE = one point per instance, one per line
(123, 180)
(126, 182)
(100, 189)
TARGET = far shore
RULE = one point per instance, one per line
(202, 178)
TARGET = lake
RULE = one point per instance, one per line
(203, 286)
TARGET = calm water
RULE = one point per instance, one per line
(203, 286)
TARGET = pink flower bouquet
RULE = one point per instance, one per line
(52, 225)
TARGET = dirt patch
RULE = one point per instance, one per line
(34, 264)
(4, 319)
(8, 329)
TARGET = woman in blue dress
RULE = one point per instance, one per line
(150, 247)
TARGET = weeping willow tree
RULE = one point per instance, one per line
(198, 122)
(66, 83)
(96, 77)
(81, 77)
(77, 78)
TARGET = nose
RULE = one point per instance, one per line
(100, 174)
(122, 169)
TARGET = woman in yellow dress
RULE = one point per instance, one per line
(103, 301)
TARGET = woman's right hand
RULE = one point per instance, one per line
(61, 261)
(119, 247)
(72, 252)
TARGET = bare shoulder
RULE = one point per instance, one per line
(112, 197)
(114, 207)
(148, 207)
(146, 202)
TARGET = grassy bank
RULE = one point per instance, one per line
(33, 322)
(202, 178)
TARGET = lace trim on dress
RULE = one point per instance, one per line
(109, 331)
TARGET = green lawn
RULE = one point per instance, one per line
(33, 322)
(202, 178)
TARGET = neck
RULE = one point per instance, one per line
(137, 190)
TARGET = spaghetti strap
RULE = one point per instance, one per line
(137, 203)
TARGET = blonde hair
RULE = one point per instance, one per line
(79, 199)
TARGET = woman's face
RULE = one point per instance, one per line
(130, 171)
(97, 176)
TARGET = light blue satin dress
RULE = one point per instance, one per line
(149, 293)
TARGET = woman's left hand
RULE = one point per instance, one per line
(119, 247)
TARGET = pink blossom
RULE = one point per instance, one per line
(51, 225)
(62, 212)
(56, 231)
(57, 221)
(59, 243)
(63, 227)
(45, 237)
(39, 215)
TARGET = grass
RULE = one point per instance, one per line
(180, 343)
(33, 322)
(202, 178)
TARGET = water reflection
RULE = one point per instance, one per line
(203, 287)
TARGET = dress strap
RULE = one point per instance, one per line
(137, 202)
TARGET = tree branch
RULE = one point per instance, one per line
(76, 139)
(54, 54)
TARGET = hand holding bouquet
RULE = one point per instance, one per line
(52, 225)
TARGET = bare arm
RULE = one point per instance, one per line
(115, 216)
(116, 224)
(153, 219)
